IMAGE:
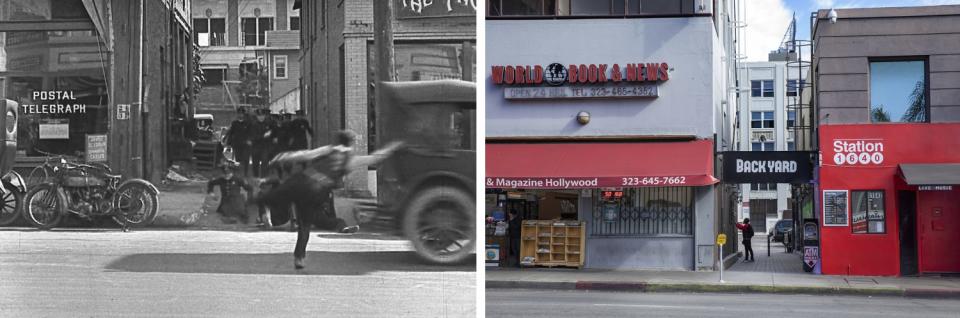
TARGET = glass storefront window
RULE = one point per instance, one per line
(655, 211)
(867, 212)
(59, 80)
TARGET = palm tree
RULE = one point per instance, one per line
(878, 115)
(917, 111)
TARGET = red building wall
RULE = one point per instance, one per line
(845, 253)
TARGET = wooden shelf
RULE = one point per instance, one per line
(565, 240)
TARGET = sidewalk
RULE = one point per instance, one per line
(735, 282)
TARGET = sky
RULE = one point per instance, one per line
(767, 20)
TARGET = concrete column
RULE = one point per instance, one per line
(705, 228)
(355, 90)
(233, 23)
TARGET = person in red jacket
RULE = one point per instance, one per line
(747, 230)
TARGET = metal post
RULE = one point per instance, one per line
(720, 255)
(383, 41)
(768, 244)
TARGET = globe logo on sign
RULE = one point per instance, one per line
(555, 75)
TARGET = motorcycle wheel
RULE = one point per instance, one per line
(38, 175)
(44, 206)
(439, 222)
(135, 204)
(12, 204)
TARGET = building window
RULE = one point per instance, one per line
(280, 66)
(213, 76)
(294, 23)
(33, 63)
(254, 31)
(761, 120)
(791, 146)
(762, 146)
(648, 211)
(210, 32)
(867, 212)
(898, 91)
(791, 118)
(597, 8)
(761, 88)
(763, 187)
(793, 88)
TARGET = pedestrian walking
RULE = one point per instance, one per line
(513, 227)
(232, 205)
(238, 137)
(747, 230)
(261, 132)
(299, 132)
(308, 188)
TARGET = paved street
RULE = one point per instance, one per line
(556, 304)
(81, 272)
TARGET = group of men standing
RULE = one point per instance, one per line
(257, 139)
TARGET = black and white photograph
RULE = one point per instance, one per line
(238, 158)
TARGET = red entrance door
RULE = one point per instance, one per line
(939, 226)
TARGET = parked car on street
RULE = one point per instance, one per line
(779, 228)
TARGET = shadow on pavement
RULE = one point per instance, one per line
(317, 263)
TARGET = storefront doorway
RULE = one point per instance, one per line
(530, 205)
(939, 220)
(907, 206)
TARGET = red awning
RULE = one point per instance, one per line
(599, 164)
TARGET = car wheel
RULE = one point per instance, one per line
(439, 222)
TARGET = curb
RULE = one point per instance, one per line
(645, 287)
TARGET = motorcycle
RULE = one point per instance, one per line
(90, 191)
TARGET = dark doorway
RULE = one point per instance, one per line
(907, 208)
(760, 210)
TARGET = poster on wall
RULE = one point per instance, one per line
(96, 148)
(54, 128)
(611, 212)
(835, 207)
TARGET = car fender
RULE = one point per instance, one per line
(16, 180)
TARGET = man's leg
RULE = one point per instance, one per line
(306, 212)
(747, 250)
(242, 154)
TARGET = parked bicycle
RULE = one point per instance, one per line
(88, 191)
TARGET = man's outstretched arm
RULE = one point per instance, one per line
(374, 158)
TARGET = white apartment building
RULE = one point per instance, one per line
(766, 124)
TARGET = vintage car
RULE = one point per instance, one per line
(204, 123)
(428, 186)
(13, 187)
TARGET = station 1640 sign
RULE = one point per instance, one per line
(558, 81)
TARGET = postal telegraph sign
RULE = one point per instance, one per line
(767, 167)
